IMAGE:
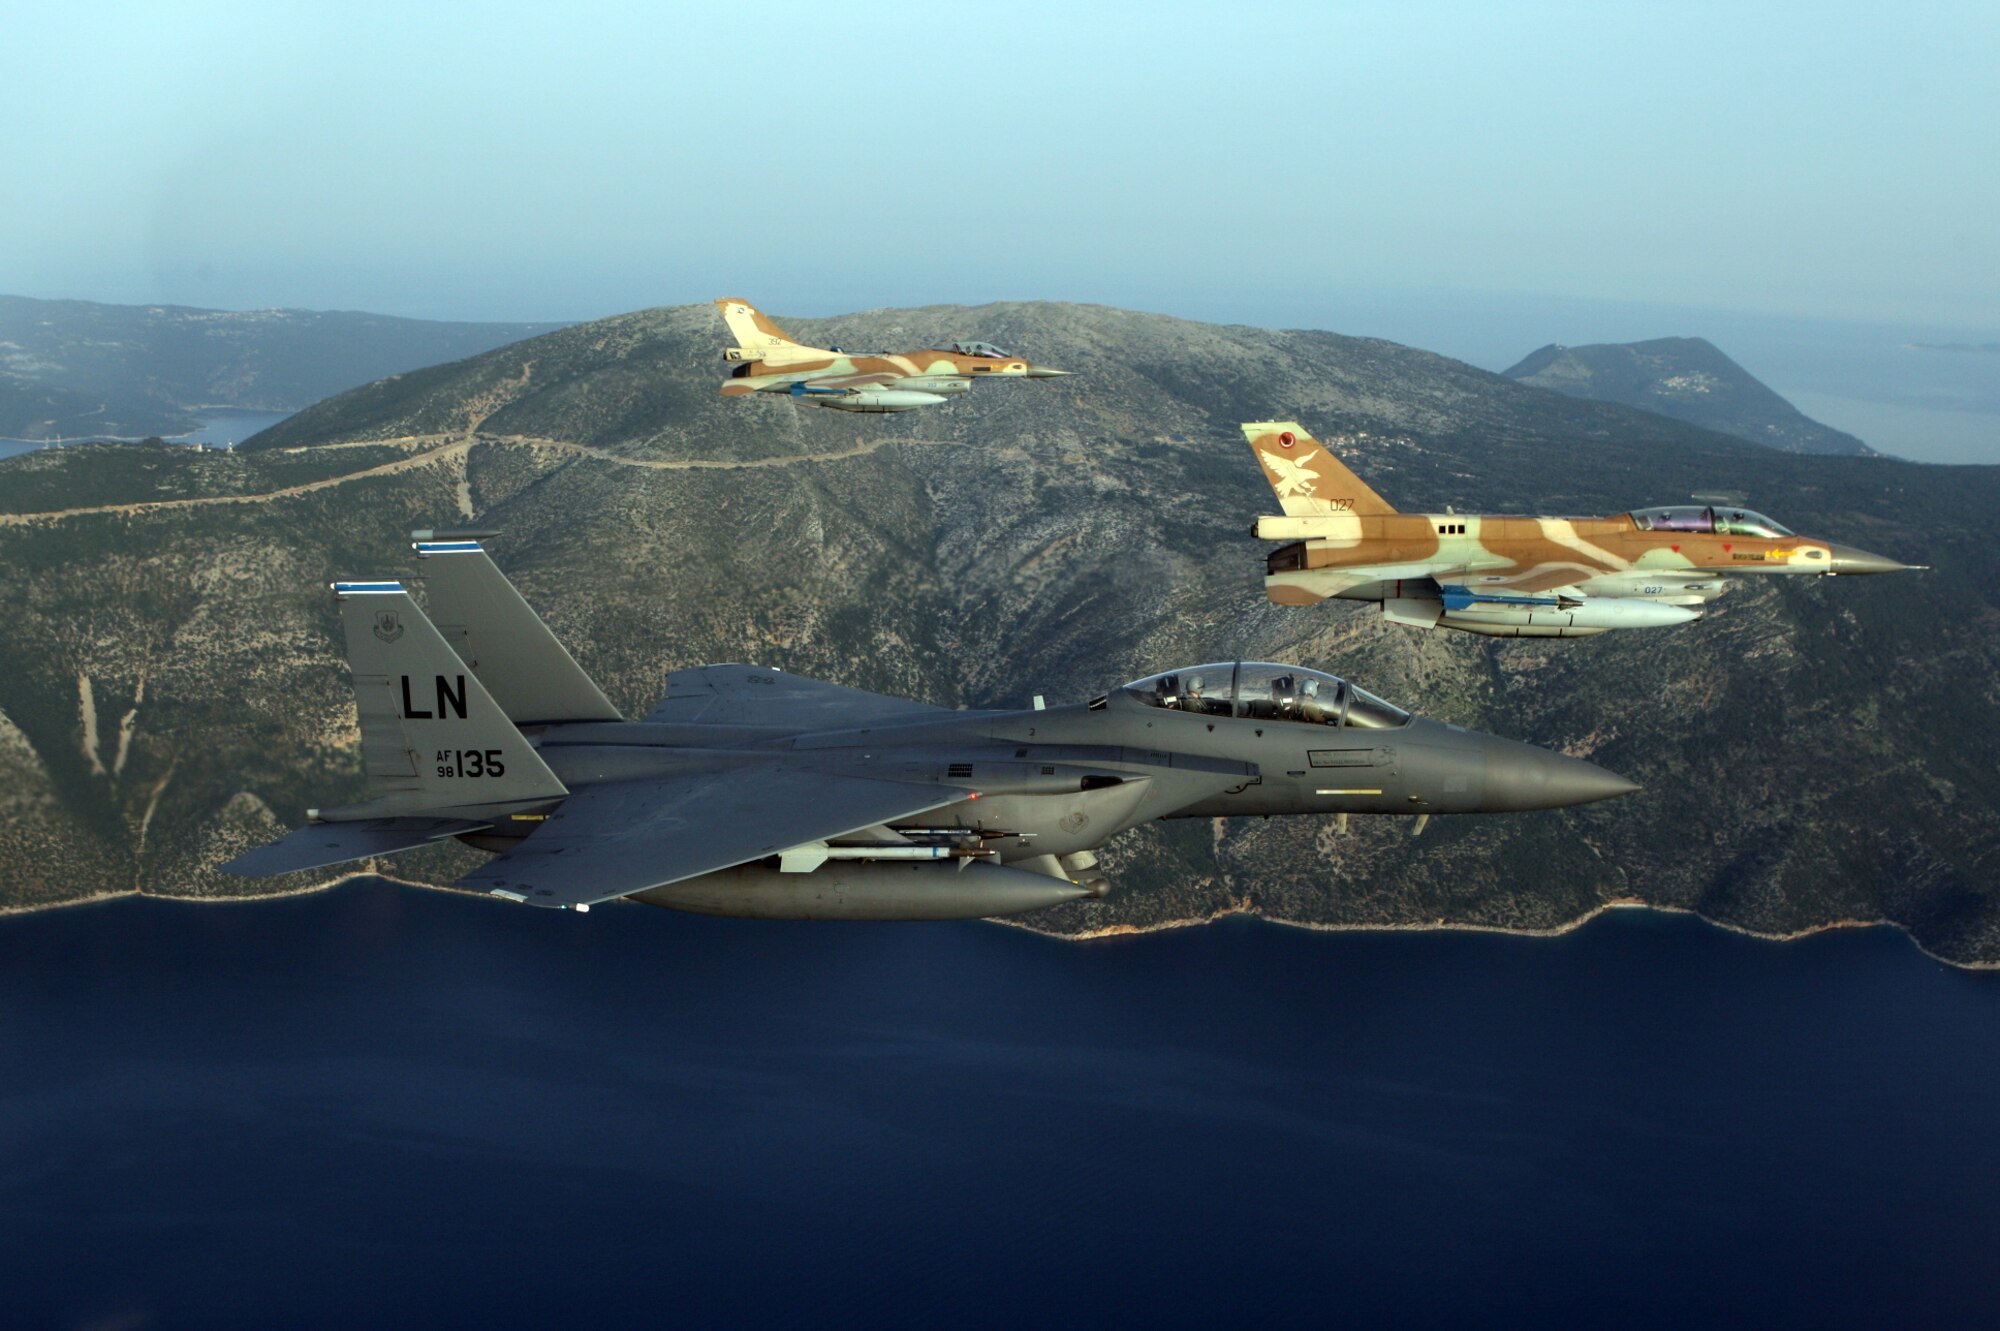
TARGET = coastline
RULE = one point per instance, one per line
(1247, 909)
(1244, 907)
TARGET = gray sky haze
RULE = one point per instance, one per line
(1351, 166)
(513, 161)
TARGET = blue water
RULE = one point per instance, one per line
(1914, 391)
(383, 1106)
(222, 425)
(231, 426)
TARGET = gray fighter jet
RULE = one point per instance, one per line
(748, 791)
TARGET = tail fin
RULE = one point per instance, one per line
(1309, 479)
(432, 737)
(757, 338)
(499, 636)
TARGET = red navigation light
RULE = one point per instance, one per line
(1287, 439)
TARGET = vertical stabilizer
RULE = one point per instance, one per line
(757, 338)
(481, 616)
(1309, 480)
(432, 737)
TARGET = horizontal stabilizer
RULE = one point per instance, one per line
(317, 845)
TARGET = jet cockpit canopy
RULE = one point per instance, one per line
(976, 349)
(1701, 519)
(1262, 691)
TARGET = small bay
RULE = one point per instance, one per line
(219, 426)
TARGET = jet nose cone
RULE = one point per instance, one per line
(1044, 372)
(1845, 559)
(1521, 776)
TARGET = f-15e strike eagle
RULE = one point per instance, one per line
(748, 791)
(770, 361)
(1511, 577)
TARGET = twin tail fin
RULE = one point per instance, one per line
(530, 674)
(432, 737)
(440, 757)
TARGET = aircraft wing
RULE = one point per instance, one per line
(804, 383)
(317, 845)
(626, 836)
(1536, 581)
(759, 695)
(1420, 579)
(1335, 581)
(844, 383)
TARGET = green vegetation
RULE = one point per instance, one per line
(92, 475)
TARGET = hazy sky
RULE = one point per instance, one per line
(509, 161)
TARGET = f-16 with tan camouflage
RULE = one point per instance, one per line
(1511, 577)
(770, 360)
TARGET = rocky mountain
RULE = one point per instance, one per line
(1685, 378)
(173, 682)
(71, 367)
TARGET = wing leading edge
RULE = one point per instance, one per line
(626, 836)
(759, 695)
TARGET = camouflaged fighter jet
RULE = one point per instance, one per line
(748, 791)
(770, 361)
(1511, 577)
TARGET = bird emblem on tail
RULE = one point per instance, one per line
(1293, 476)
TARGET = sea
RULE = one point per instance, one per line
(218, 426)
(1917, 391)
(381, 1105)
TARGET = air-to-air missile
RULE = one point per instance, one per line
(1512, 577)
(749, 791)
(768, 360)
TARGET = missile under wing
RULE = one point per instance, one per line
(1510, 576)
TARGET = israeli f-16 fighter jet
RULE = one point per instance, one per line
(1511, 577)
(752, 792)
(768, 360)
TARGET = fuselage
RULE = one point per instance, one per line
(941, 373)
(1061, 781)
(1411, 545)
(1508, 576)
(1539, 575)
